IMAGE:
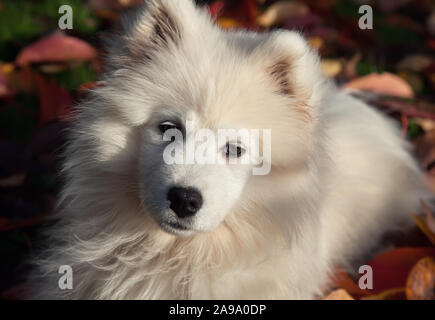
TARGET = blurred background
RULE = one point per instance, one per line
(44, 71)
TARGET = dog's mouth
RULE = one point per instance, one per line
(177, 225)
(175, 228)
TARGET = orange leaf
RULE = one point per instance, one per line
(421, 280)
(243, 12)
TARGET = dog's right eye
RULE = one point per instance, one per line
(166, 125)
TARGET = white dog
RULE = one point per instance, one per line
(134, 227)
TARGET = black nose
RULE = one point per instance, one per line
(184, 201)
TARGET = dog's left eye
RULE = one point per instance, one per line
(233, 150)
(166, 125)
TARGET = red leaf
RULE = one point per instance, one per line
(391, 269)
(57, 47)
(215, 9)
(385, 83)
(55, 101)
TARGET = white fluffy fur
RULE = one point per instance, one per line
(341, 175)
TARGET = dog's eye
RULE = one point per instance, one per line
(166, 125)
(233, 150)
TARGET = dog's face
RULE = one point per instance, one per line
(189, 196)
(176, 74)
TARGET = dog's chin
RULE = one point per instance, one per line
(177, 229)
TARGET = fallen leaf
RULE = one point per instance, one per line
(339, 294)
(55, 101)
(22, 80)
(331, 67)
(215, 9)
(57, 47)
(228, 23)
(390, 294)
(350, 66)
(280, 11)
(316, 42)
(242, 13)
(425, 124)
(342, 280)
(414, 79)
(391, 269)
(421, 280)
(416, 63)
(385, 83)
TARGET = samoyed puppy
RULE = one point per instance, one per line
(337, 175)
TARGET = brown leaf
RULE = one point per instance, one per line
(350, 66)
(342, 280)
(415, 62)
(389, 294)
(421, 280)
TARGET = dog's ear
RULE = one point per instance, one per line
(292, 66)
(157, 25)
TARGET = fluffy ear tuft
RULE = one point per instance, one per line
(293, 66)
(165, 28)
(157, 25)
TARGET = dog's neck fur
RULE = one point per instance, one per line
(141, 261)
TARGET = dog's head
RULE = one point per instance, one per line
(174, 81)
